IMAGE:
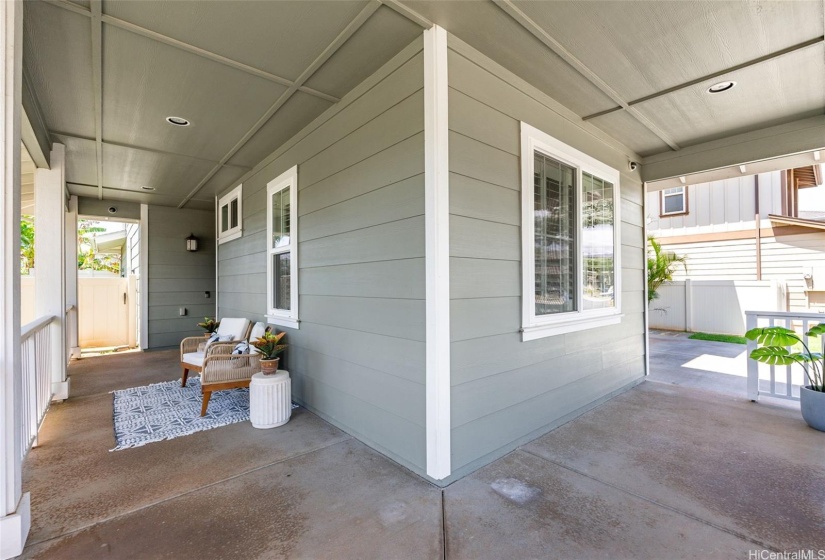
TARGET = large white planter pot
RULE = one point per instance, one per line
(812, 404)
(270, 399)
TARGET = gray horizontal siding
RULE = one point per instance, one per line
(503, 389)
(358, 357)
(177, 277)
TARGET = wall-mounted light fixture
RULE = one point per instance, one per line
(192, 243)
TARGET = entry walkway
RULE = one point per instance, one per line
(660, 471)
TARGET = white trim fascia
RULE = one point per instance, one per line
(437, 253)
(532, 327)
(288, 178)
(143, 259)
(237, 231)
(574, 325)
(230, 236)
(283, 321)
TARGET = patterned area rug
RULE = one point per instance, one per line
(167, 411)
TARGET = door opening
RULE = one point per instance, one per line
(107, 285)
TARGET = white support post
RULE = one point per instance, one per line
(71, 279)
(50, 262)
(437, 252)
(15, 509)
(753, 366)
(688, 306)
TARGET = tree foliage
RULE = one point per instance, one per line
(660, 267)
(26, 244)
(87, 259)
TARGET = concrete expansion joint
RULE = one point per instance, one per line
(654, 502)
(443, 527)
(193, 490)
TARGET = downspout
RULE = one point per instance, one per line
(758, 222)
(644, 281)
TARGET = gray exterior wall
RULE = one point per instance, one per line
(358, 358)
(505, 391)
(177, 277)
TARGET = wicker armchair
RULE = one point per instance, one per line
(224, 370)
(219, 368)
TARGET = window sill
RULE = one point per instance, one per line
(230, 236)
(535, 332)
(283, 321)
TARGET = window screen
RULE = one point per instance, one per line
(555, 244)
(598, 251)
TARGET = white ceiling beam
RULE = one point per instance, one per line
(756, 61)
(798, 137)
(539, 33)
(143, 149)
(33, 129)
(319, 61)
(408, 13)
(121, 192)
(97, 87)
(153, 35)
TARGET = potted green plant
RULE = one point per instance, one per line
(209, 325)
(269, 347)
(774, 349)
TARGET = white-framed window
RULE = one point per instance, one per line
(571, 271)
(230, 215)
(674, 201)
(282, 249)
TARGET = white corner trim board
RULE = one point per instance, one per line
(437, 252)
(143, 279)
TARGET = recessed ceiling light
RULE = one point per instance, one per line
(177, 121)
(720, 87)
(144, 187)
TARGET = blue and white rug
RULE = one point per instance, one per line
(166, 410)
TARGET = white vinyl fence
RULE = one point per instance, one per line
(713, 306)
(106, 309)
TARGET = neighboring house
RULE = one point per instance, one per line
(714, 225)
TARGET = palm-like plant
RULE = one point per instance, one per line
(774, 350)
(268, 345)
(660, 267)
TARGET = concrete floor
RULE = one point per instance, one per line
(720, 367)
(658, 472)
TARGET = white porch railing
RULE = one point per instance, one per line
(35, 358)
(794, 376)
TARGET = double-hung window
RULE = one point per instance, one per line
(229, 215)
(570, 238)
(282, 249)
(674, 201)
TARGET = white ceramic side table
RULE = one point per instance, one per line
(270, 399)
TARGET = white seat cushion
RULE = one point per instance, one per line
(193, 359)
(235, 326)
